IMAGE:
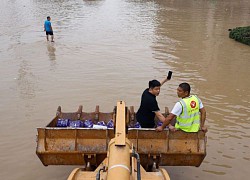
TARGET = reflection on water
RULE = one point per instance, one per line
(215, 172)
(108, 50)
(51, 51)
(25, 81)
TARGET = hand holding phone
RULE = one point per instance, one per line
(169, 75)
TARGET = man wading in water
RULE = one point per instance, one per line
(48, 29)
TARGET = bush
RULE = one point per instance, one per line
(241, 34)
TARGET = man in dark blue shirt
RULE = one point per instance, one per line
(48, 29)
(149, 106)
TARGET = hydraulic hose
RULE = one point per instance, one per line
(137, 156)
(99, 173)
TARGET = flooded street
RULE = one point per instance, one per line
(108, 50)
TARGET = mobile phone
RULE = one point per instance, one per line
(169, 75)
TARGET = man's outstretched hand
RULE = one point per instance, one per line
(159, 129)
(204, 129)
(172, 128)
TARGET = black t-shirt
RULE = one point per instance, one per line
(146, 113)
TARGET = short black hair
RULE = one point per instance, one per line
(153, 83)
(185, 87)
(48, 17)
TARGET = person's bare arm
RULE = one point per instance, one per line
(168, 119)
(203, 118)
(160, 116)
(164, 80)
(51, 28)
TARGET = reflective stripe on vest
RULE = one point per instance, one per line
(189, 119)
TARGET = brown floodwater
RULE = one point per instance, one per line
(108, 50)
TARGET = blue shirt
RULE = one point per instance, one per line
(47, 25)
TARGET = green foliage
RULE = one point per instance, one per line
(241, 34)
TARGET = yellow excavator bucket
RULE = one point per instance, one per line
(88, 146)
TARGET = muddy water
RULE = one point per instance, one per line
(108, 50)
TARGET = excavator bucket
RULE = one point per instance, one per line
(83, 146)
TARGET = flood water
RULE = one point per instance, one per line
(108, 50)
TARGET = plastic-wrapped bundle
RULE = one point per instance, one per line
(137, 125)
(110, 124)
(88, 123)
(159, 123)
(77, 123)
(101, 123)
(62, 122)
